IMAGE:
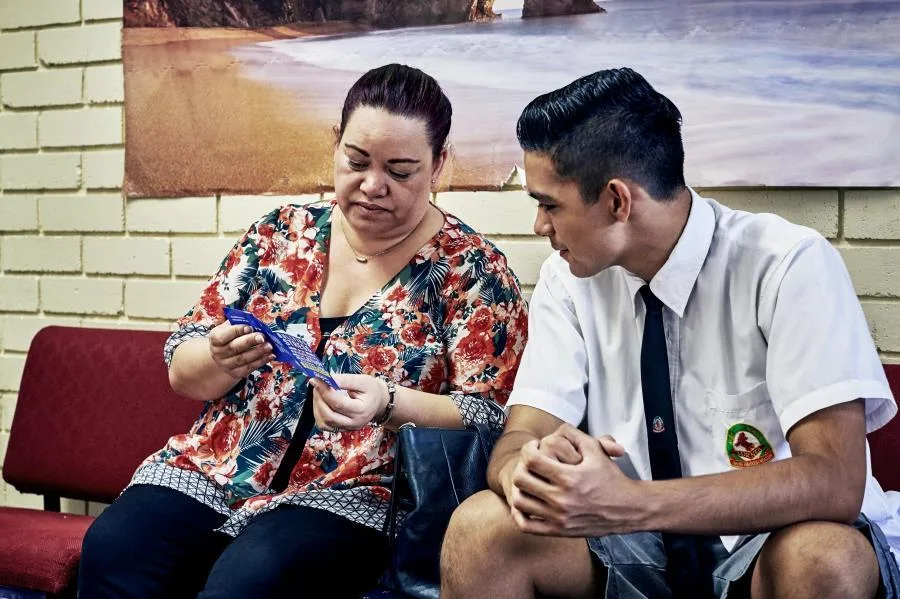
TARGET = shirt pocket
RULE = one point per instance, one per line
(745, 428)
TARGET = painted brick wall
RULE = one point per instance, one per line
(73, 252)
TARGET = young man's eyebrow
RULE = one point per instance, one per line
(391, 161)
(541, 197)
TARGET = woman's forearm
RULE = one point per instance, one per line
(195, 375)
(423, 409)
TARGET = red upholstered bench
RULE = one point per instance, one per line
(92, 404)
(884, 444)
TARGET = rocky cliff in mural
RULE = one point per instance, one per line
(267, 13)
(553, 8)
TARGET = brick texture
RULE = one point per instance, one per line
(103, 169)
(872, 214)
(237, 213)
(15, 14)
(811, 208)
(57, 87)
(884, 321)
(17, 50)
(198, 257)
(18, 331)
(7, 410)
(77, 295)
(18, 213)
(182, 215)
(23, 253)
(18, 293)
(84, 127)
(101, 9)
(525, 257)
(18, 131)
(74, 252)
(875, 270)
(104, 83)
(25, 500)
(497, 213)
(11, 371)
(129, 255)
(160, 299)
(88, 43)
(40, 171)
(89, 213)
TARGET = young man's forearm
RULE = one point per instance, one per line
(505, 454)
(758, 499)
(824, 480)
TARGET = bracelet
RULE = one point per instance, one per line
(389, 408)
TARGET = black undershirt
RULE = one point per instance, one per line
(305, 424)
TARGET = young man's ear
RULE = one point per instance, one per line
(618, 198)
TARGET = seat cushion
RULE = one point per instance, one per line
(885, 442)
(40, 550)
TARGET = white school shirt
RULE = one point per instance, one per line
(762, 329)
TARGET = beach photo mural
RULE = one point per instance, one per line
(242, 96)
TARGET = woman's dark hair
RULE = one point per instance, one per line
(608, 124)
(404, 91)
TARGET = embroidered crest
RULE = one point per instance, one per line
(746, 446)
(658, 425)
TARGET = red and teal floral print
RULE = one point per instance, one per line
(452, 321)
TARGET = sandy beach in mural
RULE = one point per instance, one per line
(197, 122)
(771, 96)
(195, 125)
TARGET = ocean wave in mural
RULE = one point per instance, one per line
(240, 96)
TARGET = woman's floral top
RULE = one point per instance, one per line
(452, 322)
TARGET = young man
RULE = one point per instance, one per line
(723, 369)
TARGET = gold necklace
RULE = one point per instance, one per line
(362, 258)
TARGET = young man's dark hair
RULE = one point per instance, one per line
(677, 350)
(608, 124)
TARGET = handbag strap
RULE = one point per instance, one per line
(390, 525)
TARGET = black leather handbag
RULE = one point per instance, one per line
(437, 469)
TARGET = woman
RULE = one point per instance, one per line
(281, 487)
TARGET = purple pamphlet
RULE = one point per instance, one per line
(287, 348)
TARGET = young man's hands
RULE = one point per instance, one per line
(566, 484)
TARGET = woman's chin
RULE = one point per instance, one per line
(372, 221)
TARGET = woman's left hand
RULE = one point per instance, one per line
(361, 400)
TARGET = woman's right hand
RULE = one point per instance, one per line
(237, 350)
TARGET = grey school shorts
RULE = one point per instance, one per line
(635, 563)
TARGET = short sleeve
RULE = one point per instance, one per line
(820, 350)
(485, 331)
(553, 374)
(232, 285)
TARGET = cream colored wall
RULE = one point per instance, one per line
(72, 251)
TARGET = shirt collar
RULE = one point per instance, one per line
(675, 280)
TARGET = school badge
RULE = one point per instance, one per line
(658, 425)
(746, 446)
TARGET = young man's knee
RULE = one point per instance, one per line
(483, 516)
(827, 558)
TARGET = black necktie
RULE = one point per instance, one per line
(683, 570)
